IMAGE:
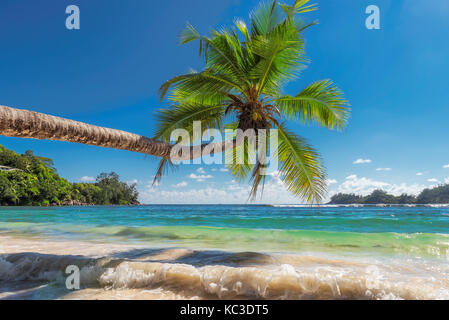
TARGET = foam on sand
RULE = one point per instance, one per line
(124, 272)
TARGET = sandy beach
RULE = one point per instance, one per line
(33, 268)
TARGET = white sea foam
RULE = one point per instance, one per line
(285, 277)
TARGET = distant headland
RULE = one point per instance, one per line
(436, 195)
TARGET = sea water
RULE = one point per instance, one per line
(226, 251)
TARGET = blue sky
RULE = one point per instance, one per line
(108, 73)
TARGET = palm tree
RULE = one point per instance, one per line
(29, 124)
(240, 87)
(246, 68)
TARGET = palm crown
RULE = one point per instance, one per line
(246, 68)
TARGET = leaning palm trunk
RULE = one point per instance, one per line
(28, 124)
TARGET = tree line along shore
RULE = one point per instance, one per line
(30, 180)
(436, 195)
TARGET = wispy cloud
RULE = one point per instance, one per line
(224, 170)
(433, 180)
(446, 166)
(181, 184)
(201, 170)
(201, 177)
(87, 179)
(364, 186)
(420, 174)
(362, 161)
(274, 193)
(384, 169)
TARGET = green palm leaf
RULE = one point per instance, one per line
(300, 6)
(240, 160)
(182, 116)
(200, 84)
(320, 103)
(281, 57)
(301, 168)
(223, 52)
(265, 18)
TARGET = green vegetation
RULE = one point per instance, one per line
(27, 180)
(437, 195)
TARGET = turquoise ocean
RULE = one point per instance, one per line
(229, 251)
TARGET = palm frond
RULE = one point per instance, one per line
(281, 57)
(226, 54)
(164, 166)
(188, 34)
(301, 25)
(203, 84)
(300, 168)
(241, 25)
(182, 116)
(300, 6)
(265, 18)
(320, 103)
(223, 52)
(240, 160)
(258, 177)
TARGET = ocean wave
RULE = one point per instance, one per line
(292, 278)
(35, 266)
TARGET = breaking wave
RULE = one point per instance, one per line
(290, 277)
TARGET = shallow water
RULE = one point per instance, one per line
(233, 252)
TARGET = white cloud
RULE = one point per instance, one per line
(181, 184)
(420, 174)
(275, 192)
(446, 166)
(384, 169)
(201, 170)
(228, 193)
(364, 186)
(201, 177)
(433, 180)
(87, 179)
(362, 161)
(134, 181)
(221, 170)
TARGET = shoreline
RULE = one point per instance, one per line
(77, 205)
(33, 268)
(326, 205)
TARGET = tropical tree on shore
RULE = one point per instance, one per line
(241, 86)
(246, 68)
